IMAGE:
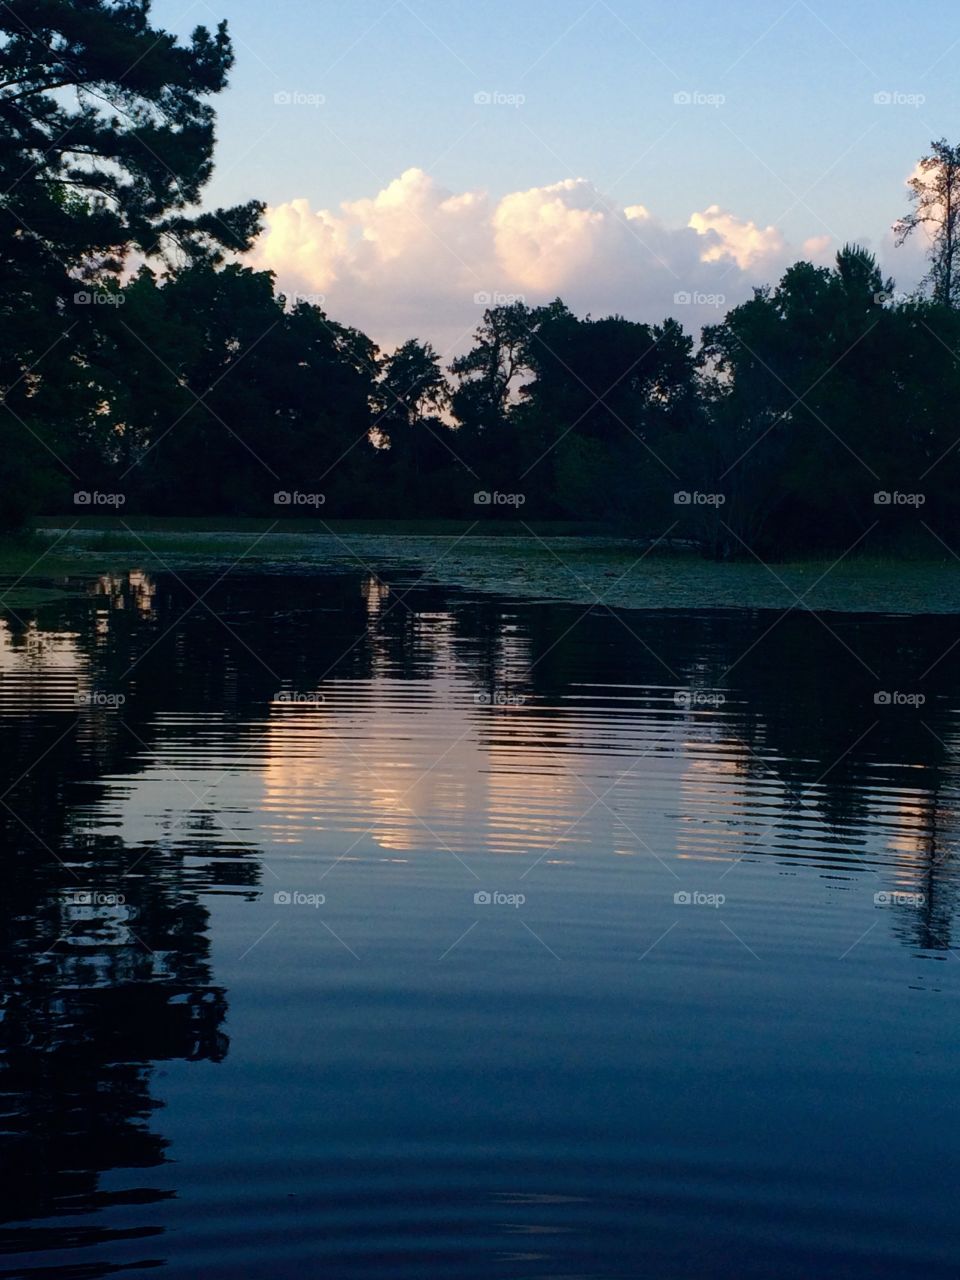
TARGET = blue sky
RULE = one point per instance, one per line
(793, 139)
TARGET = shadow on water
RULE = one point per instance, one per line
(794, 742)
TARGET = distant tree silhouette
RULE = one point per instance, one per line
(411, 389)
(193, 387)
(935, 192)
(488, 376)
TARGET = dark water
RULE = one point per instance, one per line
(600, 1080)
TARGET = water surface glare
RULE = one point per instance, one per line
(352, 926)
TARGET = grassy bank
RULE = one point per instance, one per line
(556, 562)
(202, 525)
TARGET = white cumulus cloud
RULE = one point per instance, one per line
(730, 237)
(415, 260)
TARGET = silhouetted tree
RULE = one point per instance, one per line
(489, 374)
(935, 192)
(106, 141)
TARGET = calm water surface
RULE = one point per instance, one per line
(355, 927)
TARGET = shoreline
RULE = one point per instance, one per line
(598, 569)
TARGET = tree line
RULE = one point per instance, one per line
(144, 367)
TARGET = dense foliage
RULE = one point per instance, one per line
(106, 141)
(142, 364)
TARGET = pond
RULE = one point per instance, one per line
(359, 926)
